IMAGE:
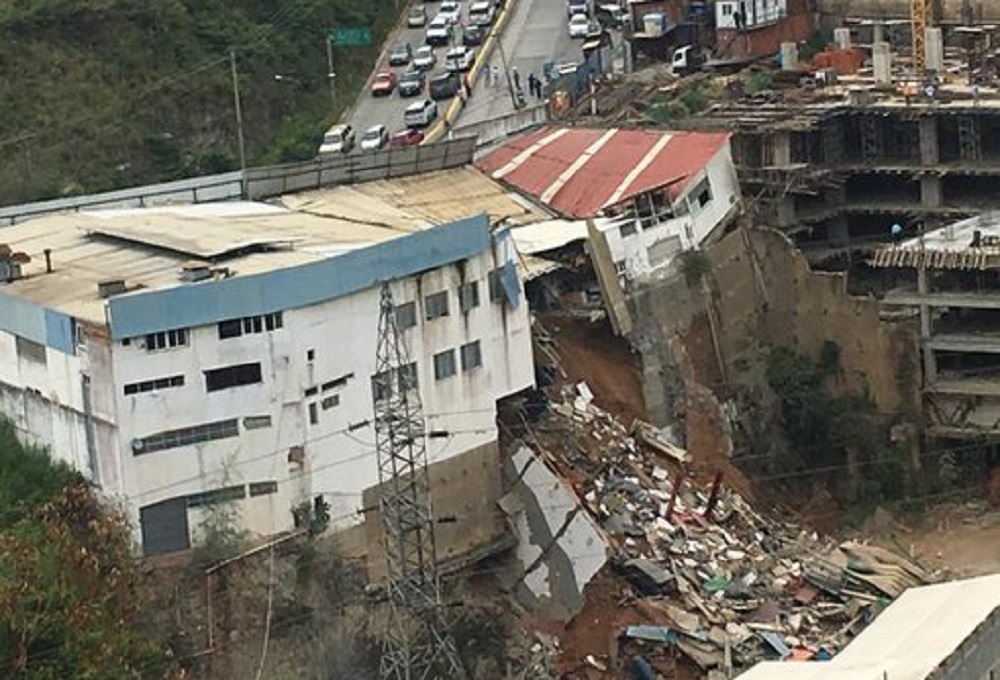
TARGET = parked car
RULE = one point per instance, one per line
(420, 114)
(374, 138)
(481, 13)
(438, 32)
(416, 17)
(424, 59)
(473, 35)
(412, 83)
(460, 58)
(579, 26)
(577, 7)
(401, 54)
(338, 139)
(451, 10)
(383, 84)
(406, 137)
(444, 85)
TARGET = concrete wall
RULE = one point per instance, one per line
(765, 40)
(978, 658)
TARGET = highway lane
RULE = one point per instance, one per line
(537, 33)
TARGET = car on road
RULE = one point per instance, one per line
(384, 83)
(420, 114)
(579, 26)
(451, 10)
(375, 138)
(577, 7)
(473, 35)
(481, 13)
(338, 139)
(424, 58)
(444, 85)
(611, 16)
(416, 16)
(460, 58)
(406, 137)
(438, 32)
(411, 83)
(401, 54)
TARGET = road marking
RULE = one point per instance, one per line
(568, 173)
(634, 173)
(518, 160)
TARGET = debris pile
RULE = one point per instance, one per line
(715, 582)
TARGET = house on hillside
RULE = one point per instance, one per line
(186, 356)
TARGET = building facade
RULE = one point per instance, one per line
(185, 358)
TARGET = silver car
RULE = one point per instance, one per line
(424, 59)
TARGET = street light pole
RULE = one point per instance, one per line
(239, 109)
(503, 61)
(331, 75)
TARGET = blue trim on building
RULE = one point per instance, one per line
(199, 304)
(38, 324)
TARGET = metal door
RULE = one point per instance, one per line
(165, 527)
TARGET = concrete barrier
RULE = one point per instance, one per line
(482, 57)
(497, 129)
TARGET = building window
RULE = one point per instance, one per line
(156, 384)
(330, 402)
(256, 422)
(313, 414)
(263, 488)
(408, 377)
(338, 382)
(627, 230)
(310, 354)
(436, 305)
(177, 337)
(185, 436)
(29, 350)
(223, 495)
(381, 387)
(472, 356)
(406, 315)
(495, 285)
(232, 376)
(234, 328)
(444, 364)
(701, 195)
(468, 296)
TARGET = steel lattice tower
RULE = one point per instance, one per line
(418, 646)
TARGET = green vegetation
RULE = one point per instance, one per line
(69, 588)
(103, 94)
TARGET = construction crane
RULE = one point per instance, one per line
(417, 645)
(920, 11)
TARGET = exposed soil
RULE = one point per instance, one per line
(590, 351)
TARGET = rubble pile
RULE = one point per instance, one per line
(717, 582)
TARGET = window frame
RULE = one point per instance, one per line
(435, 310)
(471, 350)
(235, 379)
(445, 365)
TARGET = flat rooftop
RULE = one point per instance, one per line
(148, 247)
(914, 636)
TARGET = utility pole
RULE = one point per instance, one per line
(239, 109)
(503, 61)
(331, 75)
(418, 645)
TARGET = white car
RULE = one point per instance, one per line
(481, 13)
(459, 58)
(420, 114)
(451, 10)
(374, 138)
(424, 59)
(438, 32)
(579, 26)
(338, 139)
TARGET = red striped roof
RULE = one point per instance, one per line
(577, 171)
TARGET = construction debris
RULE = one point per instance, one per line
(717, 583)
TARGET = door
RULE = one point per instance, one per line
(165, 527)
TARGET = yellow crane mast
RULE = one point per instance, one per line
(919, 13)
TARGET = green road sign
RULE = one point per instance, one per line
(351, 37)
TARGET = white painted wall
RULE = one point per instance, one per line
(757, 12)
(694, 223)
(339, 464)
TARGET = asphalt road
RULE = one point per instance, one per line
(388, 110)
(537, 33)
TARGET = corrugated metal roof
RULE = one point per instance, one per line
(577, 171)
(147, 246)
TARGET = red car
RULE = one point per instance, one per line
(384, 83)
(408, 137)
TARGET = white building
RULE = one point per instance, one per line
(753, 12)
(181, 356)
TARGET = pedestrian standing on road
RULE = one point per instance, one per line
(517, 78)
(531, 84)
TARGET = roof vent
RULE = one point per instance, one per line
(10, 263)
(196, 271)
(109, 287)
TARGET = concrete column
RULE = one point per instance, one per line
(785, 211)
(781, 149)
(930, 361)
(882, 63)
(878, 33)
(929, 154)
(837, 232)
(934, 49)
(842, 38)
(789, 56)
(930, 191)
